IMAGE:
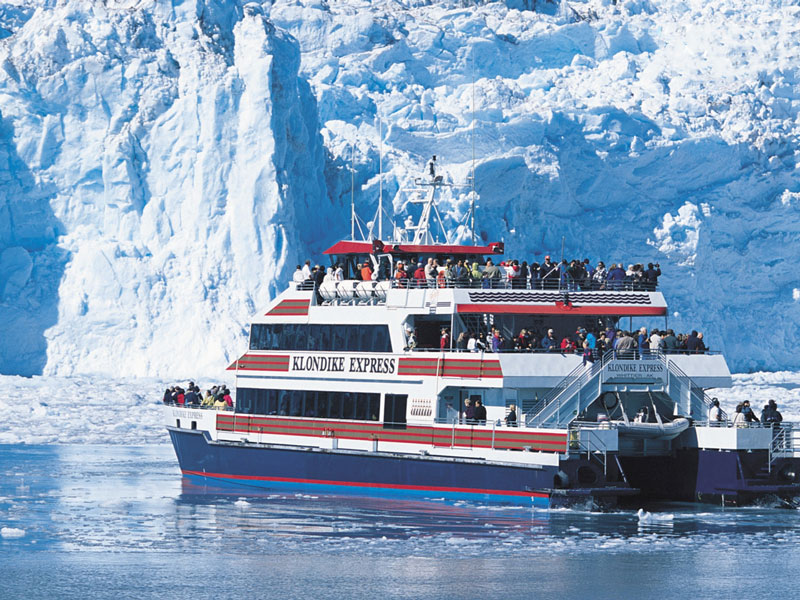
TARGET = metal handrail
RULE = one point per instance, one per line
(576, 378)
(782, 441)
(506, 282)
(200, 407)
(576, 352)
(601, 446)
(686, 380)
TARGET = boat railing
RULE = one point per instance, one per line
(499, 283)
(504, 283)
(785, 441)
(694, 392)
(587, 439)
(373, 292)
(198, 406)
(580, 376)
(572, 382)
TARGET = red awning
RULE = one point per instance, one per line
(378, 247)
(561, 309)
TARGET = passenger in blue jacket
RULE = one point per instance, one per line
(549, 342)
(616, 275)
(643, 342)
(693, 342)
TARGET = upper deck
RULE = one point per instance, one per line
(297, 324)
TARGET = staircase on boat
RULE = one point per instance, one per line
(586, 383)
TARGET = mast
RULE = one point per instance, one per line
(352, 204)
(472, 197)
(380, 178)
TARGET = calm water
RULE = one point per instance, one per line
(119, 522)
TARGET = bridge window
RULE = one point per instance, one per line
(328, 338)
(358, 406)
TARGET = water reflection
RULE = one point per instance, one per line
(133, 498)
(330, 515)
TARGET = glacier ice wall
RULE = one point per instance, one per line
(164, 166)
(159, 160)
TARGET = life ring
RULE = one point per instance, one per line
(606, 406)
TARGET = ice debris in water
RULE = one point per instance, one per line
(12, 532)
(646, 517)
(242, 503)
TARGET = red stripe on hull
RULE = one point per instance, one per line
(393, 486)
(471, 438)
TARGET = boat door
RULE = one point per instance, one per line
(471, 395)
(394, 411)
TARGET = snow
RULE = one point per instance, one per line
(82, 409)
(166, 165)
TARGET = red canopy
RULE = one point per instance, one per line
(378, 247)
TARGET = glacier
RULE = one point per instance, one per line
(165, 165)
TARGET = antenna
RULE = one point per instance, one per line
(352, 201)
(380, 178)
(472, 202)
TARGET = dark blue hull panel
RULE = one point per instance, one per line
(710, 475)
(359, 472)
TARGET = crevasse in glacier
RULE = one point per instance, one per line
(164, 166)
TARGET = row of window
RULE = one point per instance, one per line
(304, 403)
(339, 338)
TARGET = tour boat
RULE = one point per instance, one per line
(332, 396)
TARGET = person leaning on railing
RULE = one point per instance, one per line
(475, 275)
(491, 274)
(738, 417)
(771, 415)
(511, 417)
(208, 399)
(714, 413)
(401, 276)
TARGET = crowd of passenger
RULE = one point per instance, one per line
(591, 344)
(574, 275)
(217, 397)
(744, 414)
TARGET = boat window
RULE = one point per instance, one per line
(360, 406)
(338, 338)
(296, 405)
(351, 340)
(335, 403)
(394, 416)
(283, 402)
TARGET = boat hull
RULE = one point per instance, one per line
(730, 477)
(370, 473)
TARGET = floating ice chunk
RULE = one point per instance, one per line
(646, 517)
(11, 532)
(242, 503)
(796, 294)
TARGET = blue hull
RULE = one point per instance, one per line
(332, 471)
(736, 477)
